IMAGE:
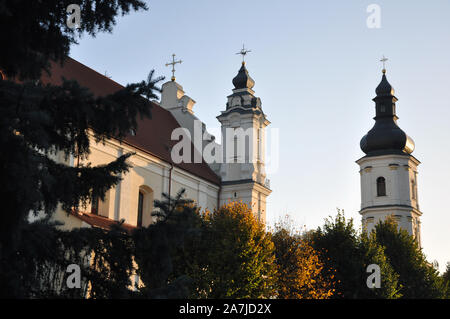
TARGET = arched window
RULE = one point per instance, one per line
(140, 209)
(381, 186)
(145, 206)
(235, 149)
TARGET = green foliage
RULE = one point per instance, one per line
(40, 121)
(161, 246)
(239, 258)
(36, 31)
(374, 253)
(226, 254)
(417, 277)
(348, 253)
(446, 279)
(107, 258)
(41, 261)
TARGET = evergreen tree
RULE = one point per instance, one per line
(417, 277)
(38, 121)
(446, 279)
(45, 252)
(160, 248)
(347, 254)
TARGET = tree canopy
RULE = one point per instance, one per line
(417, 277)
(347, 254)
(301, 273)
(38, 121)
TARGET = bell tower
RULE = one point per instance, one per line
(243, 146)
(388, 170)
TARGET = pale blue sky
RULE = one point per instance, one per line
(316, 66)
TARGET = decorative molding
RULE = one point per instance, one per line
(393, 167)
(368, 169)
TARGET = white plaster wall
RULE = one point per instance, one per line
(399, 171)
(252, 194)
(148, 171)
(398, 180)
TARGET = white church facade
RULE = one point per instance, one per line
(155, 171)
(389, 170)
(233, 170)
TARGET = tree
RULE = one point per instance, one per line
(37, 32)
(239, 261)
(103, 257)
(446, 279)
(161, 248)
(418, 278)
(37, 121)
(300, 270)
(226, 254)
(347, 253)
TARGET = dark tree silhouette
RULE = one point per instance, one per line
(38, 121)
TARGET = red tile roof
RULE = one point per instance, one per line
(153, 135)
(100, 221)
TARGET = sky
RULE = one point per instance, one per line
(316, 66)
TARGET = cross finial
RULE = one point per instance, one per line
(243, 52)
(173, 66)
(384, 59)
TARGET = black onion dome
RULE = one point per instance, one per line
(384, 88)
(386, 137)
(243, 80)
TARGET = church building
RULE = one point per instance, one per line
(388, 170)
(232, 176)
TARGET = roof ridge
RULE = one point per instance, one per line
(150, 137)
(90, 69)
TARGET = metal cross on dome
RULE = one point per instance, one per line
(383, 60)
(243, 52)
(173, 66)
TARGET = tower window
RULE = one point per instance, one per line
(235, 149)
(259, 143)
(414, 188)
(381, 186)
(140, 209)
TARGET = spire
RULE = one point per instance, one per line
(385, 99)
(243, 96)
(386, 137)
(243, 80)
